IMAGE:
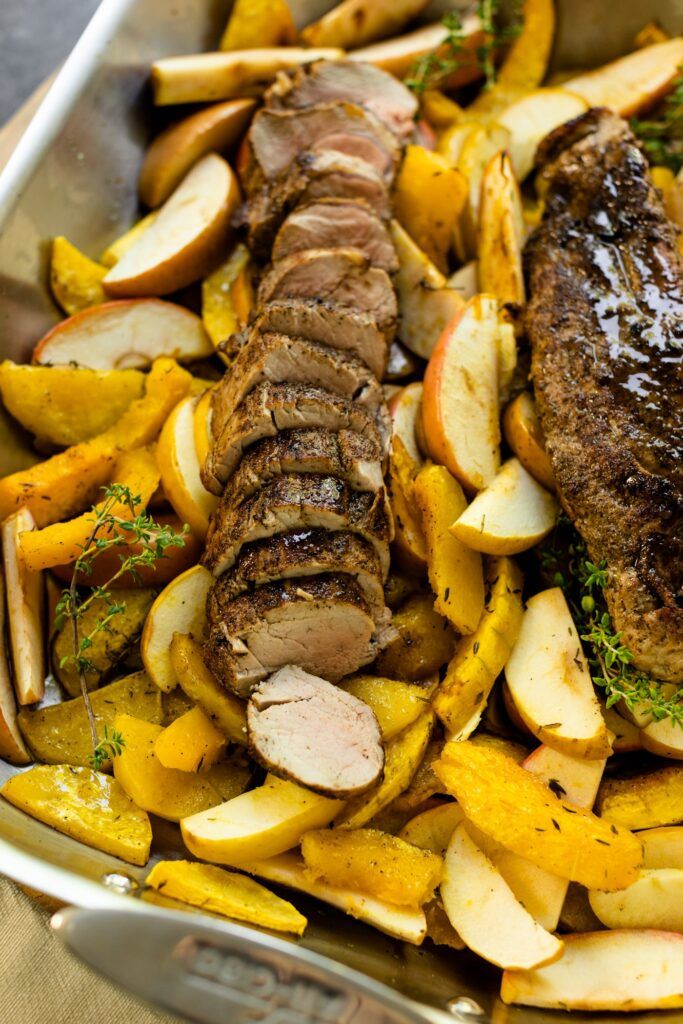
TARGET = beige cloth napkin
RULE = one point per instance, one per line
(41, 982)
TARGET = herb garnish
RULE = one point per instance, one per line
(610, 660)
(143, 542)
(662, 136)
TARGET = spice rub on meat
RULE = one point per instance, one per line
(605, 320)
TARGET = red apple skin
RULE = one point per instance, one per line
(432, 406)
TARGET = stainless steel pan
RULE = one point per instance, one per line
(74, 173)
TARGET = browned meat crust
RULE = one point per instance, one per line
(605, 323)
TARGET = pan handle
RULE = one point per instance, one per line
(214, 972)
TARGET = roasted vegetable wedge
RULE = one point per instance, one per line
(25, 611)
(255, 23)
(179, 608)
(425, 641)
(225, 710)
(646, 801)
(228, 296)
(430, 194)
(355, 23)
(75, 280)
(191, 743)
(12, 746)
(396, 704)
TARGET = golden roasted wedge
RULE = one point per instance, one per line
(25, 590)
(75, 279)
(191, 743)
(355, 23)
(425, 641)
(255, 23)
(645, 801)
(228, 296)
(224, 709)
(428, 198)
(396, 704)
(501, 235)
(179, 608)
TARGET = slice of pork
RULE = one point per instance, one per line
(298, 502)
(328, 222)
(314, 320)
(310, 731)
(310, 553)
(278, 137)
(271, 408)
(321, 623)
(278, 359)
(342, 277)
(345, 454)
(364, 84)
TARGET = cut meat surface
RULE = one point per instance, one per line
(314, 320)
(321, 623)
(298, 502)
(342, 277)
(308, 730)
(605, 320)
(310, 553)
(270, 408)
(327, 222)
(368, 86)
(345, 454)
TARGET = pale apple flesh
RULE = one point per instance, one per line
(523, 433)
(655, 900)
(663, 847)
(634, 82)
(179, 608)
(398, 55)
(180, 467)
(534, 116)
(12, 746)
(405, 409)
(25, 601)
(501, 234)
(664, 738)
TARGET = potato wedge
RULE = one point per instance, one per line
(371, 861)
(501, 235)
(66, 405)
(398, 55)
(258, 23)
(460, 399)
(109, 647)
(530, 118)
(485, 912)
(427, 305)
(455, 571)
(355, 23)
(662, 847)
(402, 757)
(396, 704)
(25, 590)
(550, 681)
(191, 743)
(288, 869)
(188, 234)
(655, 900)
(521, 813)
(523, 433)
(226, 893)
(59, 734)
(179, 608)
(225, 710)
(228, 296)
(480, 658)
(166, 792)
(425, 641)
(511, 515)
(646, 801)
(12, 746)
(75, 279)
(584, 979)
(261, 823)
(122, 335)
(631, 83)
(179, 467)
(203, 77)
(86, 805)
(428, 198)
(120, 246)
(409, 542)
(177, 149)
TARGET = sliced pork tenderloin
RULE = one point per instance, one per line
(326, 223)
(271, 408)
(342, 277)
(321, 623)
(310, 553)
(303, 728)
(298, 502)
(370, 87)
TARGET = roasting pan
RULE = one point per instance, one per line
(74, 173)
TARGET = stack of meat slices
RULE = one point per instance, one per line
(299, 545)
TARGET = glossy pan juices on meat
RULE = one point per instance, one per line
(347, 522)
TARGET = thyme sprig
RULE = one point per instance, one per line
(662, 136)
(142, 542)
(609, 658)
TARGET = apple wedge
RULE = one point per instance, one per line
(128, 334)
(663, 847)
(510, 515)
(179, 608)
(405, 462)
(485, 913)
(398, 55)
(405, 413)
(655, 900)
(120, 246)
(476, 149)
(260, 823)
(633, 82)
(203, 438)
(664, 738)
(204, 77)
(25, 599)
(465, 280)
(522, 431)
(186, 237)
(500, 236)
(605, 971)
(531, 118)
(177, 149)
(12, 746)
(460, 399)
(179, 467)
(627, 736)
(426, 303)
(550, 682)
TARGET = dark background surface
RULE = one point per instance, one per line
(35, 36)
